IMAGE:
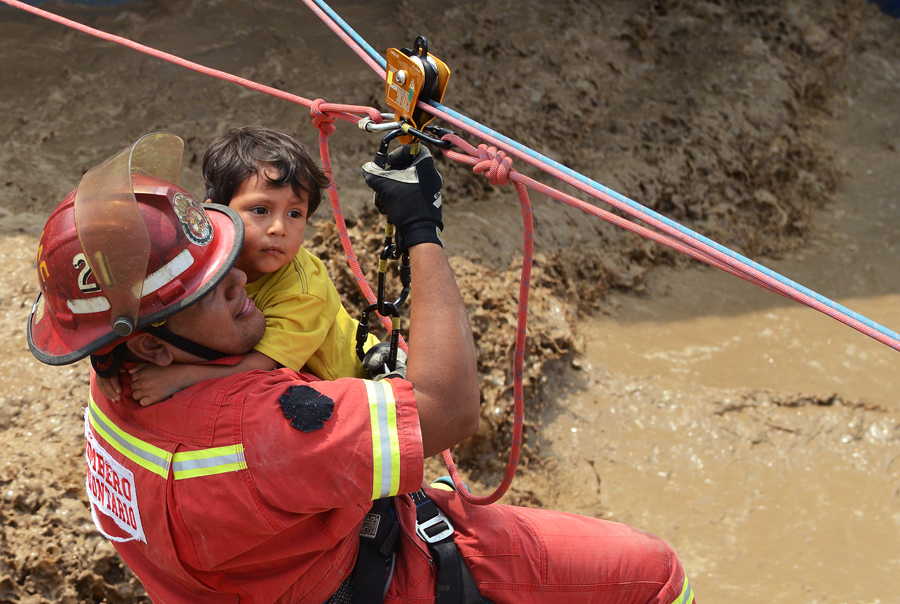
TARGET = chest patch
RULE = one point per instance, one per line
(306, 407)
(111, 489)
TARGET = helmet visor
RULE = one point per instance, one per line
(110, 228)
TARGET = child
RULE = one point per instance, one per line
(270, 180)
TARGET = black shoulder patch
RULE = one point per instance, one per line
(306, 407)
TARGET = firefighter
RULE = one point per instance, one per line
(258, 487)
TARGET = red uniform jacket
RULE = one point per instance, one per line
(251, 488)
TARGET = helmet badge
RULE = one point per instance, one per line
(194, 221)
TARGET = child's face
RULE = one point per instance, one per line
(274, 221)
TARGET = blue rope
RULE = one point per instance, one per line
(621, 198)
(350, 32)
(681, 228)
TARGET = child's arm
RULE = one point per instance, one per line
(152, 383)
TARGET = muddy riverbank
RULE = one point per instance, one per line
(758, 437)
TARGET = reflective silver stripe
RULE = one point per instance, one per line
(385, 439)
(142, 453)
(186, 464)
(207, 462)
(687, 594)
(384, 433)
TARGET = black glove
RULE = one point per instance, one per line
(375, 362)
(409, 192)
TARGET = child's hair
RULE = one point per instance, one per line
(239, 153)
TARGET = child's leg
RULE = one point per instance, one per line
(110, 387)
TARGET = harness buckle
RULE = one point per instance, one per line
(421, 528)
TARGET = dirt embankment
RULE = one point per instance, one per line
(708, 112)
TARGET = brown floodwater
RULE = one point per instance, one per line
(759, 437)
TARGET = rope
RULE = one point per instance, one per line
(496, 165)
(739, 265)
(323, 118)
(222, 75)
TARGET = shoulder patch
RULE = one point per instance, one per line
(306, 407)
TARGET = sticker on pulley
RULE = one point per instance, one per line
(403, 83)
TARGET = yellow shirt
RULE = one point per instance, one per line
(306, 325)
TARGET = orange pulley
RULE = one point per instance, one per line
(414, 75)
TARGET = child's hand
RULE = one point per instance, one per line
(152, 384)
(110, 387)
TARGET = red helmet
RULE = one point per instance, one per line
(125, 250)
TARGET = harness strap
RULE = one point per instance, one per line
(378, 539)
(455, 584)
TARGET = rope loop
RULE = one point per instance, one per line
(494, 164)
(322, 119)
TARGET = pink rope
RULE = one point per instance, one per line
(323, 117)
(497, 167)
(222, 75)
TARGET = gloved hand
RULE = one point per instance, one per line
(374, 362)
(408, 190)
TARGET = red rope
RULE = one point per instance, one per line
(497, 167)
(222, 75)
(323, 118)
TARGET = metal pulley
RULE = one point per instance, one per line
(413, 75)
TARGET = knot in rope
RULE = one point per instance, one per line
(494, 163)
(322, 120)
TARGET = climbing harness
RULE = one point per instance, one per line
(494, 160)
(379, 540)
(455, 583)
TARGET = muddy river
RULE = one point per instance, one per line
(759, 435)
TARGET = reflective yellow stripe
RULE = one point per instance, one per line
(187, 464)
(385, 440)
(206, 462)
(142, 453)
(687, 594)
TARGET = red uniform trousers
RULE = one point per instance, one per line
(529, 556)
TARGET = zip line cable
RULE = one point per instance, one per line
(494, 163)
(761, 273)
(743, 267)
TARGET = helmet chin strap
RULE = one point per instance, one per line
(189, 346)
(107, 365)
